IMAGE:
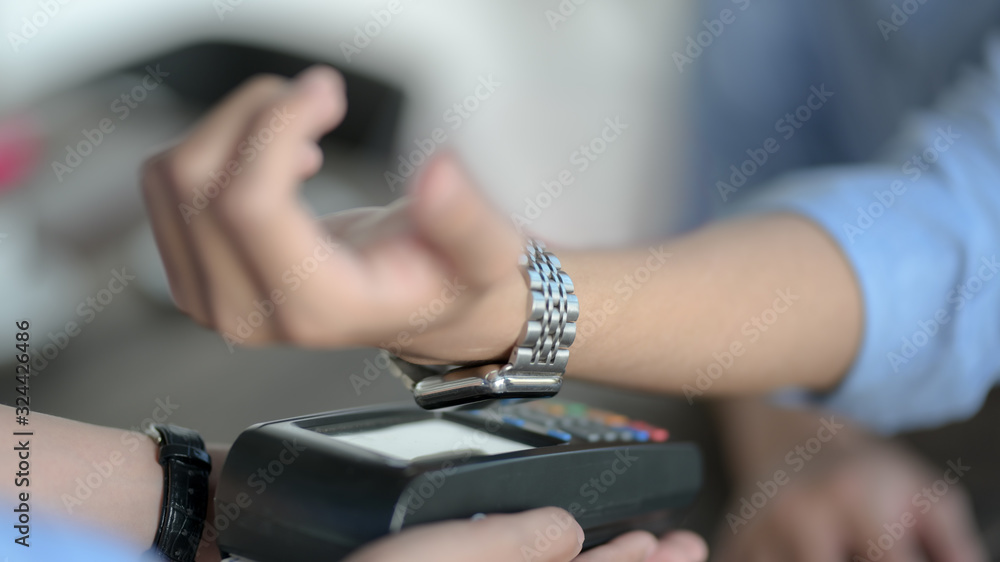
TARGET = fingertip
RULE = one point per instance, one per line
(312, 160)
(326, 87)
(640, 541)
(320, 79)
(636, 546)
(437, 186)
(557, 524)
(680, 546)
(692, 544)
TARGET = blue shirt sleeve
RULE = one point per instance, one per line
(51, 538)
(921, 229)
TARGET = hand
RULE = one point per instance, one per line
(830, 513)
(541, 535)
(433, 277)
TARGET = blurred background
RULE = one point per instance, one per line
(90, 91)
(71, 222)
(73, 216)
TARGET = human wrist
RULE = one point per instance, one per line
(509, 322)
(536, 358)
(509, 318)
(186, 496)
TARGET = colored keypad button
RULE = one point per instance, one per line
(518, 422)
(570, 420)
(556, 410)
(560, 434)
(640, 435)
(589, 436)
(616, 420)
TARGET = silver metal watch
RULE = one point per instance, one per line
(537, 363)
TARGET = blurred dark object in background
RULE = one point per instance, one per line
(205, 72)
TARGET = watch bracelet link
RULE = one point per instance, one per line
(538, 359)
(552, 313)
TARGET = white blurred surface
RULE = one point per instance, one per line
(610, 58)
(557, 87)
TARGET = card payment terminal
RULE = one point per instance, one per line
(318, 487)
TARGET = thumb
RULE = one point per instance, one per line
(548, 534)
(454, 218)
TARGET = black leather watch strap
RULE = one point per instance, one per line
(186, 468)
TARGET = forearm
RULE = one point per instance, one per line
(93, 477)
(773, 292)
